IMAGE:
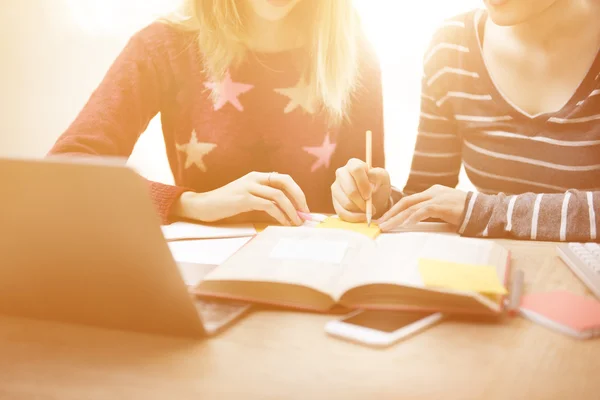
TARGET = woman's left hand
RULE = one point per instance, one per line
(438, 201)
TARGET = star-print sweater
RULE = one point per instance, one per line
(260, 121)
(538, 177)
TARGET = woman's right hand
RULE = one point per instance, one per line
(354, 184)
(275, 194)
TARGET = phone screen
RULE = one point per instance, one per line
(386, 321)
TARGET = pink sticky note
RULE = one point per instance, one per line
(304, 216)
(311, 217)
(575, 312)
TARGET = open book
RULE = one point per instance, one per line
(316, 269)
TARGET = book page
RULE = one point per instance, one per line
(314, 258)
(310, 249)
(396, 259)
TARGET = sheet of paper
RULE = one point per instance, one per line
(206, 251)
(310, 249)
(193, 274)
(335, 223)
(459, 276)
(186, 230)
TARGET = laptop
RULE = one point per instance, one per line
(80, 242)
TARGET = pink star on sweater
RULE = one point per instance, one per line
(228, 91)
(322, 152)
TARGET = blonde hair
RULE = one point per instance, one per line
(332, 31)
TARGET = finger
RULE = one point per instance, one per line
(291, 189)
(426, 211)
(359, 170)
(261, 204)
(338, 194)
(393, 211)
(378, 177)
(346, 215)
(405, 203)
(400, 218)
(349, 187)
(345, 192)
(279, 198)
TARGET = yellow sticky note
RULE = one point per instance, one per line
(260, 226)
(463, 277)
(335, 223)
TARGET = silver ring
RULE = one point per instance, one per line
(269, 179)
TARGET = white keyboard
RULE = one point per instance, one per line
(584, 260)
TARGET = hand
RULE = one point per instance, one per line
(438, 201)
(355, 183)
(274, 194)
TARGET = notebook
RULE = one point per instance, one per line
(317, 269)
(564, 312)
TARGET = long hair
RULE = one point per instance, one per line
(331, 29)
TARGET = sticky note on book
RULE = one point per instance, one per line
(335, 223)
(260, 226)
(458, 276)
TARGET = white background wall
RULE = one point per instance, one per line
(55, 52)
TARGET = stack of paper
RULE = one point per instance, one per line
(196, 258)
(187, 231)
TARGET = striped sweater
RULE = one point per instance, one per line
(537, 177)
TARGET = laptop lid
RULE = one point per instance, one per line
(80, 242)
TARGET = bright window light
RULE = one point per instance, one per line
(117, 17)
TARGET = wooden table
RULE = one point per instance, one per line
(282, 355)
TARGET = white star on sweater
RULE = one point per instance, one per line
(196, 151)
(299, 97)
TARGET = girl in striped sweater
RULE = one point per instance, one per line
(511, 93)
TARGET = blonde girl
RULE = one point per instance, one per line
(260, 102)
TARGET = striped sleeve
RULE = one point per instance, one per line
(437, 156)
(573, 216)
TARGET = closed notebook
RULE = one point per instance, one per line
(317, 269)
(564, 312)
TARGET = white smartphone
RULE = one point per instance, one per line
(380, 328)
